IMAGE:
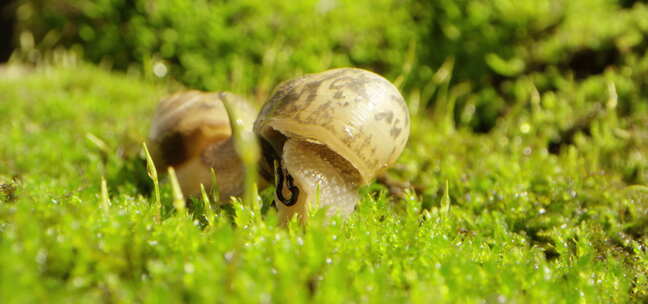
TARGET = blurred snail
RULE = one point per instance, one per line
(324, 135)
(191, 132)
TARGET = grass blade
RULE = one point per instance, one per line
(152, 173)
(178, 199)
(215, 190)
(105, 198)
(246, 146)
(445, 201)
(209, 212)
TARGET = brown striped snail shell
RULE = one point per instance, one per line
(330, 133)
(191, 132)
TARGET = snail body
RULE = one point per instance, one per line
(191, 132)
(330, 132)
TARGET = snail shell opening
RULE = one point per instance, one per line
(184, 124)
(191, 132)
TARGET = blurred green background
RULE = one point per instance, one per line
(248, 46)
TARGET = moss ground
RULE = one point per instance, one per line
(523, 213)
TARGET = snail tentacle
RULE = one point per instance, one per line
(294, 190)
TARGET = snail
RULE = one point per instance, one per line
(191, 132)
(324, 135)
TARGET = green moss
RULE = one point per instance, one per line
(516, 223)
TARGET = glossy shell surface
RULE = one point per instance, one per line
(356, 113)
(184, 124)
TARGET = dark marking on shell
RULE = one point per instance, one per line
(323, 115)
(388, 116)
(284, 95)
(401, 103)
(395, 132)
(338, 94)
(356, 83)
(343, 104)
(288, 101)
(311, 89)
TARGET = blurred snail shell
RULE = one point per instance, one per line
(330, 132)
(191, 132)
